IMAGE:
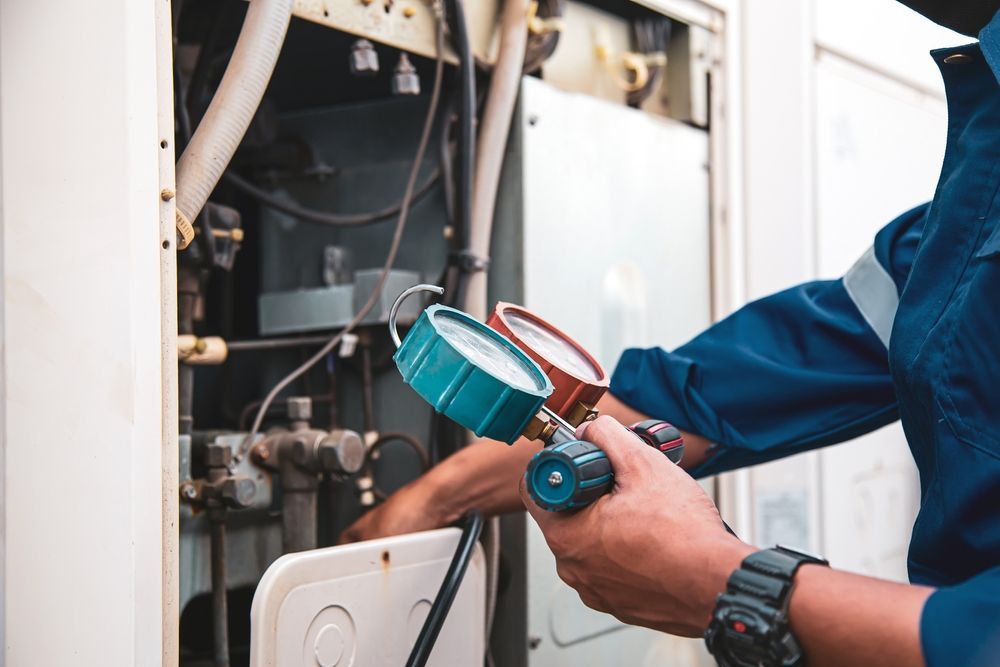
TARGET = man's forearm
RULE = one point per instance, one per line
(484, 476)
(841, 618)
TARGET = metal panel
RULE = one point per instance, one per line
(324, 308)
(82, 375)
(615, 252)
(404, 24)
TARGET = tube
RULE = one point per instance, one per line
(232, 108)
(493, 133)
(449, 589)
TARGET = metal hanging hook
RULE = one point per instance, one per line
(394, 311)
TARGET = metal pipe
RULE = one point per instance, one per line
(220, 608)
(217, 531)
(275, 343)
(299, 490)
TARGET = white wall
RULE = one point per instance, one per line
(80, 429)
(844, 129)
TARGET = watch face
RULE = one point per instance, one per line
(743, 635)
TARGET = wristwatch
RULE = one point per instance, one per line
(749, 626)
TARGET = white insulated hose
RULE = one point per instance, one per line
(232, 108)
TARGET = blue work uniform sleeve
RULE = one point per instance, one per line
(960, 624)
(797, 370)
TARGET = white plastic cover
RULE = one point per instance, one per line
(364, 604)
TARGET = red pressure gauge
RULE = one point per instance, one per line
(578, 379)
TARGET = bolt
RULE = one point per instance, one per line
(189, 491)
(555, 478)
(166, 194)
(409, 12)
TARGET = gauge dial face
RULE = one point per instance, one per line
(557, 350)
(487, 353)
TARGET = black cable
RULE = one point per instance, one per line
(466, 161)
(300, 212)
(203, 65)
(449, 588)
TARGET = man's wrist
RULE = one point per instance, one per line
(721, 560)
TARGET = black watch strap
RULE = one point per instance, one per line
(780, 562)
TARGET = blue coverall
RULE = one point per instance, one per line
(912, 332)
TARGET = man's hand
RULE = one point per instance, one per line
(654, 551)
(409, 510)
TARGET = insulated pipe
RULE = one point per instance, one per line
(493, 133)
(232, 108)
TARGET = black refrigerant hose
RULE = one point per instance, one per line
(449, 588)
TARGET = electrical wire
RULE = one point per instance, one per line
(390, 258)
(300, 212)
(449, 588)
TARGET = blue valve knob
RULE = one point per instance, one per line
(568, 476)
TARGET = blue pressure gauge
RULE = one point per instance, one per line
(469, 372)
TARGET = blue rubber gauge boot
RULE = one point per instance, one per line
(472, 374)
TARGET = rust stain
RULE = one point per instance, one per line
(386, 562)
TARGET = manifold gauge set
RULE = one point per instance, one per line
(518, 376)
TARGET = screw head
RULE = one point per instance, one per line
(188, 491)
(555, 478)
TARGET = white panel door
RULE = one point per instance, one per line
(616, 232)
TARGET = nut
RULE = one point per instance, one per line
(218, 455)
(237, 492)
(299, 408)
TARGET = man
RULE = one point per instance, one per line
(911, 332)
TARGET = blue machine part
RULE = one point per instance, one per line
(568, 476)
(472, 374)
